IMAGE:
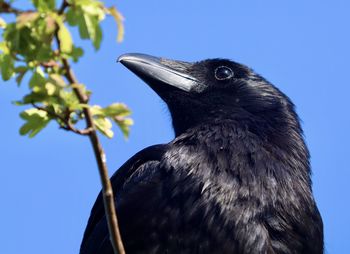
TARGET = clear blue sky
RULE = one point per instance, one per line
(48, 184)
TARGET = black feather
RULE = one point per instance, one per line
(236, 178)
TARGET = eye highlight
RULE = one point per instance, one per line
(223, 72)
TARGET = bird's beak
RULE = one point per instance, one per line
(154, 70)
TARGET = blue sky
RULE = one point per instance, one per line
(48, 184)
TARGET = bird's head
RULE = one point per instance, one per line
(215, 90)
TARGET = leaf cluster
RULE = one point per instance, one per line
(38, 44)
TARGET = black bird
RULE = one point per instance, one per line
(236, 178)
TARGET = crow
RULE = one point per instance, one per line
(235, 179)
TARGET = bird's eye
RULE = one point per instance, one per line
(223, 72)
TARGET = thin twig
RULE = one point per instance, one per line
(64, 5)
(108, 197)
(67, 125)
(7, 8)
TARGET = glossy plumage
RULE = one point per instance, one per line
(236, 178)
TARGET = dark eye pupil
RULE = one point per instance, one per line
(223, 72)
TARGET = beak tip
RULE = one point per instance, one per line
(132, 57)
(121, 58)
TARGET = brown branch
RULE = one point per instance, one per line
(7, 8)
(68, 126)
(108, 197)
(64, 5)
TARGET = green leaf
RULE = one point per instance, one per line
(7, 67)
(69, 99)
(65, 38)
(57, 80)
(93, 8)
(44, 5)
(118, 17)
(79, 106)
(21, 71)
(124, 125)
(50, 88)
(97, 111)
(104, 125)
(33, 97)
(30, 37)
(83, 88)
(89, 28)
(43, 54)
(76, 53)
(2, 23)
(20, 77)
(87, 16)
(38, 80)
(3, 47)
(26, 19)
(116, 109)
(35, 119)
(116, 112)
(72, 16)
(98, 37)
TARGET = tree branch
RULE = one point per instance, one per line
(64, 5)
(66, 121)
(7, 8)
(108, 197)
